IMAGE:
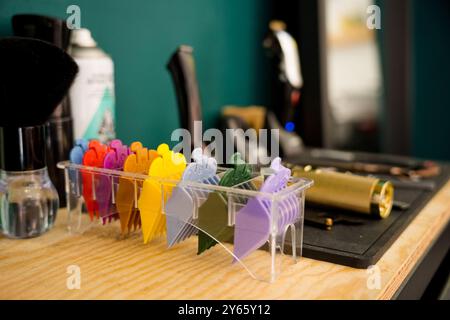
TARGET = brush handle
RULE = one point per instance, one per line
(23, 149)
(182, 68)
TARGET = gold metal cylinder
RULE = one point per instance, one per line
(366, 195)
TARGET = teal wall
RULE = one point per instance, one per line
(429, 70)
(431, 79)
(140, 35)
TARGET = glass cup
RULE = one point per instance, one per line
(28, 203)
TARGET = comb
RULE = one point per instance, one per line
(213, 214)
(252, 228)
(114, 160)
(92, 183)
(138, 161)
(77, 152)
(169, 165)
(76, 156)
(181, 205)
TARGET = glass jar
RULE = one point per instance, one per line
(28, 203)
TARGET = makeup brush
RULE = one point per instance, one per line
(60, 129)
(34, 77)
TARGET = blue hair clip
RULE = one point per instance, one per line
(76, 157)
(77, 152)
(181, 206)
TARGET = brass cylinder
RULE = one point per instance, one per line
(365, 195)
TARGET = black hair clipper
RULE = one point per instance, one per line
(286, 85)
(182, 68)
(282, 46)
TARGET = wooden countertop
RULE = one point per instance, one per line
(127, 269)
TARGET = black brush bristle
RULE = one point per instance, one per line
(34, 78)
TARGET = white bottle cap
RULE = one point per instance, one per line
(83, 38)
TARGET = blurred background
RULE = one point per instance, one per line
(373, 90)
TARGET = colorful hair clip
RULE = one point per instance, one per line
(138, 161)
(252, 228)
(116, 156)
(77, 152)
(113, 160)
(213, 214)
(169, 166)
(92, 183)
(76, 157)
(181, 205)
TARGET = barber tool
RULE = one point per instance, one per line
(114, 160)
(138, 161)
(77, 152)
(253, 221)
(60, 130)
(287, 83)
(254, 116)
(181, 205)
(282, 46)
(182, 68)
(34, 77)
(363, 157)
(116, 156)
(95, 190)
(143, 162)
(365, 195)
(400, 205)
(76, 156)
(213, 214)
(169, 165)
(371, 164)
(179, 211)
(413, 184)
(240, 172)
(402, 172)
(235, 123)
(326, 221)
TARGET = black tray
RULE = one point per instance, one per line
(361, 246)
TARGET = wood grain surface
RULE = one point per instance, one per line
(128, 269)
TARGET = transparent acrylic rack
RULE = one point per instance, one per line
(219, 214)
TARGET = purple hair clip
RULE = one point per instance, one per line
(114, 160)
(253, 221)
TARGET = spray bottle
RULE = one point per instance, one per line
(92, 94)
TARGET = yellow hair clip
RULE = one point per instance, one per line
(168, 166)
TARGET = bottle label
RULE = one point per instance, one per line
(92, 99)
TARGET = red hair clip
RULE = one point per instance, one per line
(93, 157)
